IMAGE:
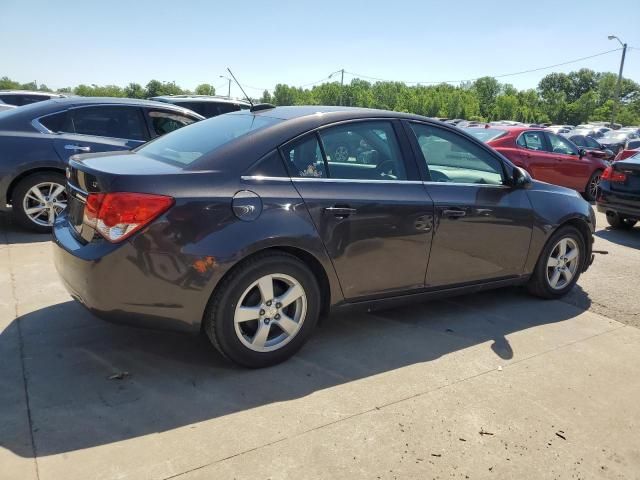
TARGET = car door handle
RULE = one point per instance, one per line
(453, 213)
(77, 148)
(339, 211)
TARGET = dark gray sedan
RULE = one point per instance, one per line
(246, 227)
(37, 140)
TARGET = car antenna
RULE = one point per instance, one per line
(254, 108)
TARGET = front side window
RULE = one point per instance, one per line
(579, 140)
(165, 122)
(364, 151)
(453, 158)
(561, 145)
(532, 140)
(108, 121)
(590, 143)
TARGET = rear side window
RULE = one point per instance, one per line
(166, 122)
(109, 121)
(561, 145)
(452, 158)
(532, 140)
(304, 158)
(58, 122)
(186, 145)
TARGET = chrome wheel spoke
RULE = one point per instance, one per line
(290, 296)
(31, 211)
(567, 275)
(265, 285)
(52, 216)
(38, 194)
(260, 338)
(562, 247)
(58, 190)
(552, 262)
(246, 314)
(554, 278)
(287, 324)
(572, 255)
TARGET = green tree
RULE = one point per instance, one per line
(266, 97)
(134, 90)
(486, 89)
(205, 89)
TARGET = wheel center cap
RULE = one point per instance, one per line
(271, 312)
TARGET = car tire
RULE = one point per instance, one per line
(591, 190)
(618, 222)
(541, 283)
(23, 199)
(267, 339)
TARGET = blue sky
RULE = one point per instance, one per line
(64, 43)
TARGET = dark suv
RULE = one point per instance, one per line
(37, 140)
(206, 105)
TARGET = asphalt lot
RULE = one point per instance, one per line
(494, 385)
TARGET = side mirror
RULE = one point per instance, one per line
(582, 152)
(520, 177)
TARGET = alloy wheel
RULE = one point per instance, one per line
(43, 202)
(341, 154)
(270, 312)
(593, 186)
(562, 264)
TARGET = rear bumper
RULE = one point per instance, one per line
(626, 204)
(121, 284)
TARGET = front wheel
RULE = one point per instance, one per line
(559, 265)
(592, 187)
(264, 311)
(38, 199)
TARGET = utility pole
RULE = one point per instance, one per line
(341, 84)
(616, 100)
(229, 88)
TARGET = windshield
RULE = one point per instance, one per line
(188, 144)
(486, 134)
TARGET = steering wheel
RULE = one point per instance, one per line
(387, 168)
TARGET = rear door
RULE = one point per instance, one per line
(97, 128)
(537, 157)
(571, 170)
(483, 226)
(374, 218)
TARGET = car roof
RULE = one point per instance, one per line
(31, 92)
(512, 128)
(199, 98)
(333, 113)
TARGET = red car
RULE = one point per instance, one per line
(546, 156)
(632, 148)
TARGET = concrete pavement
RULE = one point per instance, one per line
(495, 385)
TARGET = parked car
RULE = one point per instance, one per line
(26, 97)
(206, 105)
(547, 157)
(590, 144)
(619, 193)
(37, 140)
(616, 140)
(558, 129)
(243, 227)
(631, 149)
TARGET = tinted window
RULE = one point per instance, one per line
(453, 158)
(58, 122)
(579, 140)
(269, 166)
(304, 158)
(227, 107)
(165, 122)
(109, 121)
(532, 140)
(363, 150)
(633, 144)
(186, 145)
(561, 145)
(591, 143)
(12, 99)
(27, 99)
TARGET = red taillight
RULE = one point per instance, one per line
(611, 175)
(118, 215)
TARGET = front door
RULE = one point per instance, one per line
(369, 207)
(572, 170)
(483, 226)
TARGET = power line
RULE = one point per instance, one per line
(358, 75)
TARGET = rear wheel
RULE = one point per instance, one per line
(592, 187)
(38, 199)
(264, 311)
(559, 265)
(617, 221)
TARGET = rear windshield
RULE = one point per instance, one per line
(486, 134)
(188, 144)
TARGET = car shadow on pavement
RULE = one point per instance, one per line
(92, 383)
(15, 234)
(627, 238)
